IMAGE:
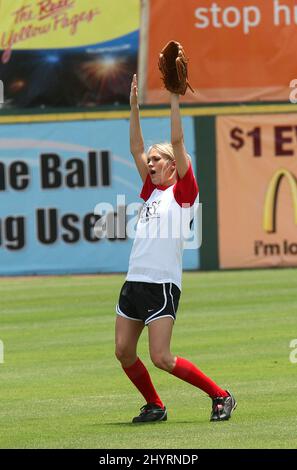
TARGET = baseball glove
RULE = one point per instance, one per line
(173, 65)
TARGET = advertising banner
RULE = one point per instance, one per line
(68, 52)
(57, 180)
(257, 190)
(238, 51)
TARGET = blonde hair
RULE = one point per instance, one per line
(165, 149)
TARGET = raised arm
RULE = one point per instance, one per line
(136, 139)
(177, 138)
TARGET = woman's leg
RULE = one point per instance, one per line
(160, 332)
(127, 333)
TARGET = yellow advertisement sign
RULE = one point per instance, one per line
(257, 190)
(40, 24)
(68, 53)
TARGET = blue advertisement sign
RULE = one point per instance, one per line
(52, 177)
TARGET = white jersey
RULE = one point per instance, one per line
(163, 224)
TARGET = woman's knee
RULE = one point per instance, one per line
(164, 361)
(125, 355)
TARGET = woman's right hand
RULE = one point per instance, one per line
(134, 92)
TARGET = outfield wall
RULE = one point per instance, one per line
(55, 169)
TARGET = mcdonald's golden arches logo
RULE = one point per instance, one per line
(270, 204)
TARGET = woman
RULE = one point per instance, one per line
(150, 295)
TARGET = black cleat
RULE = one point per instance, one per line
(151, 413)
(222, 407)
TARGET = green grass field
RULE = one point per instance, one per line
(61, 386)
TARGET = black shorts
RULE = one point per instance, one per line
(145, 301)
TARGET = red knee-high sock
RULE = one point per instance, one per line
(139, 375)
(187, 371)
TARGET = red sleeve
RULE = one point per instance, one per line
(186, 189)
(147, 189)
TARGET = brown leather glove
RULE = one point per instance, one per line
(173, 65)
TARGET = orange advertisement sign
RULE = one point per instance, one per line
(238, 51)
(257, 190)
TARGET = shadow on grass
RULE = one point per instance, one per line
(167, 423)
